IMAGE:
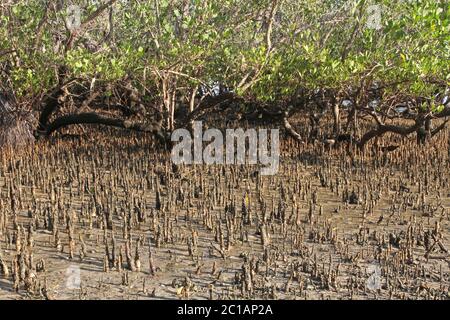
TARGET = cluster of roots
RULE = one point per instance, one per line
(105, 216)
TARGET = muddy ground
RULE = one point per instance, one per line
(77, 216)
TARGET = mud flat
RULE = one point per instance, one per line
(108, 218)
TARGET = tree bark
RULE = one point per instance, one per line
(291, 130)
(51, 103)
(210, 103)
(93, 118)
(337, 125)
(439, 128)
(382, 129)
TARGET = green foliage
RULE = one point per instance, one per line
(315, 44)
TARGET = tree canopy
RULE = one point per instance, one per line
(376, 58)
